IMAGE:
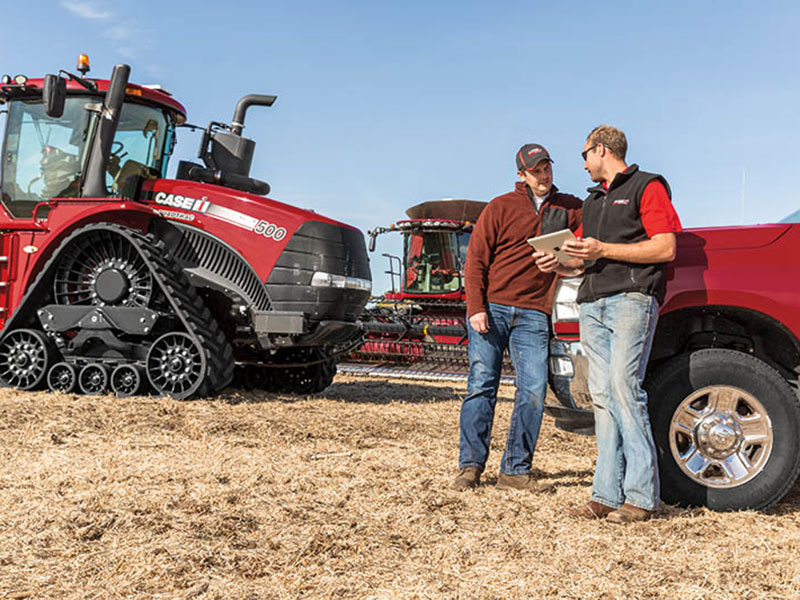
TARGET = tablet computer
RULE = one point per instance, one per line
(552, 243)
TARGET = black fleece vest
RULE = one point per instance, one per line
(614, 216)
(551, 218)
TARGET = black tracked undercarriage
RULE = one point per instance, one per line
(112, 311)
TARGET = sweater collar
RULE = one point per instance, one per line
(618, 181)
(522, 188)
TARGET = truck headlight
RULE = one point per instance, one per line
(565, 305)
(561, 366)
(323, 279)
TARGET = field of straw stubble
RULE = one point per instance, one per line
(339, 495)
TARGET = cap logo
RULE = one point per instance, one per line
(534, 151)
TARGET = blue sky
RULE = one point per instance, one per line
(382, 105)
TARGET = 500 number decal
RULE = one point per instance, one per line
(270, 230)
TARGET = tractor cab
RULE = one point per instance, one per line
(56, 130)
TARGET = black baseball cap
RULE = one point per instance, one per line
(531, 155)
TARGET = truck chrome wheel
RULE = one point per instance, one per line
(721, 436)
(727, 430)
(24, 359)
(176, 365)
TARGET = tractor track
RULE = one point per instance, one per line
(186, 304)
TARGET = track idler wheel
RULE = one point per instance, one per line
(127, 380)
(25, 357)
(62, 377)
(176, 365)
(93, 379)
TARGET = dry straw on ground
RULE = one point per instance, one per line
(339, 495)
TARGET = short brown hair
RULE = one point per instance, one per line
(612, 138)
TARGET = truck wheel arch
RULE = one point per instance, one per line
(740, 329)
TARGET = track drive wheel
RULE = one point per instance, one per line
(25, 357)
(176, 365)
(62, 378)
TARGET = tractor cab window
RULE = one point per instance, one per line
(42, 156)
(139, 145)
(433, 262)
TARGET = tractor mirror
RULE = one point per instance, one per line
(54, 94)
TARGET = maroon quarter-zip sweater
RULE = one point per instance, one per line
(500, 266)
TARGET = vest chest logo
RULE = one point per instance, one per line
(621, 202)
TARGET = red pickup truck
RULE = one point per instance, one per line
(723, 374)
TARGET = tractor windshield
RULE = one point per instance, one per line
(434, 261)
(43, 156)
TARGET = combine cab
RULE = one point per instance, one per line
(421, 324)
(113, 277)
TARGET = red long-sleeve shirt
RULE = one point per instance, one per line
(500, 266)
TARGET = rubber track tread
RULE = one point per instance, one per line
(188, 306)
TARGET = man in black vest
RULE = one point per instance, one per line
(629, 227)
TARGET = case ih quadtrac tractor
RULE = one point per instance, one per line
(113, 277)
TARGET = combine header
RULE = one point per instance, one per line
(113, 277)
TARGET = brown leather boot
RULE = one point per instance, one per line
(523, 483)
(627, 513)
(590, 510)
(468, 477)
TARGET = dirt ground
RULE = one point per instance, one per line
(339, 495)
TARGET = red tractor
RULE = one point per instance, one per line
(113, 277)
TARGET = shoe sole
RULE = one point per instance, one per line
(502, 486)
(462, 488)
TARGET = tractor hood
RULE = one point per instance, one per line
(254, 226)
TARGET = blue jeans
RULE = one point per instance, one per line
(525, 332)
(617, 335)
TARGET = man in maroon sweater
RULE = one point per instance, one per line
(508, 304)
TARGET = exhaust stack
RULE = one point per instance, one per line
(94, 184)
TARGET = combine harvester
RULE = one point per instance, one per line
(419, 331)
(113, 277)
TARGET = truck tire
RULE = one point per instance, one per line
(727, 430)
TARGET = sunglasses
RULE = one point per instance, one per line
(586, 152)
